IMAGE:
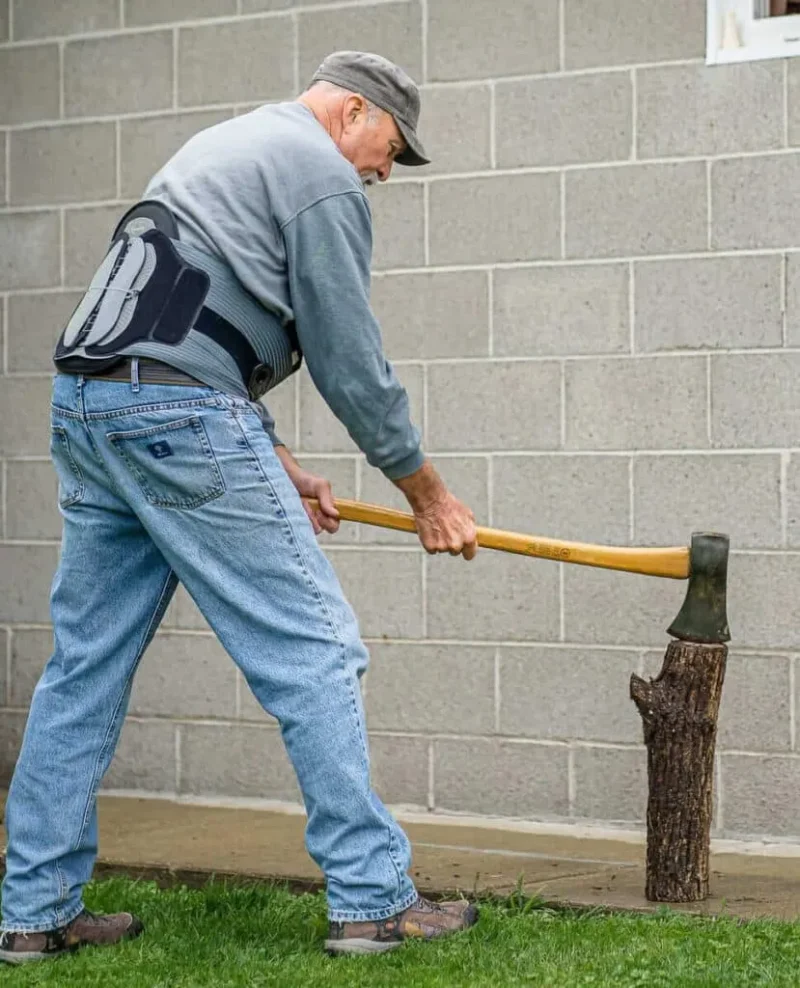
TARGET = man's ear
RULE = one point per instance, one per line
(354, 106)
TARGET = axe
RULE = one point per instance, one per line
(703, 616)
(679, 707)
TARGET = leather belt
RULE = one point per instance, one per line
(150, 372)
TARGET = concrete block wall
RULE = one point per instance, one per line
(593, 297)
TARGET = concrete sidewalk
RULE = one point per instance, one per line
(189, 842)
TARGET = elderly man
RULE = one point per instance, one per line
(250, 253)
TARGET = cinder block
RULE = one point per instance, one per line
(455, 128)
(139, 12)
(762, 600)
(127, 74)
(710, 302)
(366, 575)
(185, 676)
(501, 778)
(399, 769)
(256, 6)
(636, 209)
(32, 501)
(145, 757)
(148, 143)
(560, 311)
(25, 416)
(394, 30)
(43, 18)
(466, 477)
(12, 726)
(30, 652)
(566, 694)
(322, 432)
(754, 712)
(31, 74)
(34, 324)
(236, 62)
(491, 220)
(26, 574)
(431, 688)
(749, 207)
(611, 784)
(792, 300)
(240, 760)
(4, 698)
(610, 32)
(755, 400)
(761, 795)
(612, 608)
(792, 496)
(688, 110)
(441, 314)
(755, 709)
(562, 121)
(29, 250)
(793, 101)
(62, 164)
(641, 403)
(87, 236)
(676, 495)
(560, 496)
(468, 406)
(494, 597)
(509, 37)
(398, 225)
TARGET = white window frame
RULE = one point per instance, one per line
(735, 34)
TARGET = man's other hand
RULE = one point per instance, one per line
(324, 518)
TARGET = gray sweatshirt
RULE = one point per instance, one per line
(269, 193)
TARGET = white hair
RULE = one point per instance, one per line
(374, 113)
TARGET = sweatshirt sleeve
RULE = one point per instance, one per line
(329, 250)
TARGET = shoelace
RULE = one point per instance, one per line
(428, 906)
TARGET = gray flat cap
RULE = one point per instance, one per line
(384, 84)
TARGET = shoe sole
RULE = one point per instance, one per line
(29, 956)
(354, 946)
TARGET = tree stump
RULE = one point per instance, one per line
(679, 711)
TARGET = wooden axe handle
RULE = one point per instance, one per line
(670, 562)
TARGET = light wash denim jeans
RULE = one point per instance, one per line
(160, 483)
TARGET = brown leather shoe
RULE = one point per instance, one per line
(423, 920)
(86, 930)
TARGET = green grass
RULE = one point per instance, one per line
(237, 936)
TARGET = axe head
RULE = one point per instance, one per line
(703, 618)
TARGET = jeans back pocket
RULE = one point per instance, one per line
(173, 463)
(71, 487)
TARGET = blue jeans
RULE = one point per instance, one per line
(160, 483)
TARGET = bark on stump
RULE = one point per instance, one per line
(679, 712)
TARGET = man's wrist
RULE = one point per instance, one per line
(423, 488)
(290, 464)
